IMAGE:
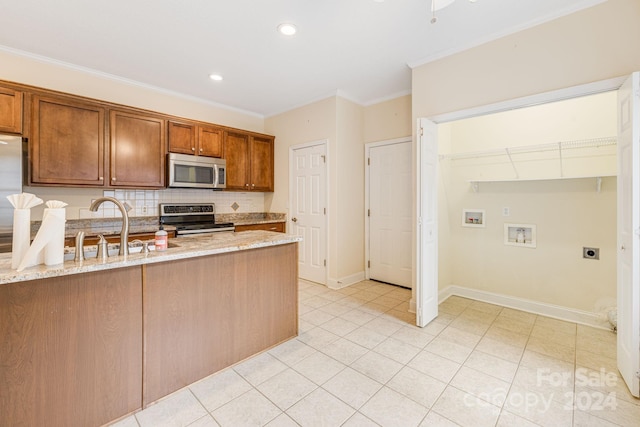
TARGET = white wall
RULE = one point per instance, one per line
(346, 126)
(349, 195)
(569, 214)
(62, 77)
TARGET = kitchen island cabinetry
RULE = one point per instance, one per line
(67, 142)
(10, 110)
(137, 150)
(191, 138)
(84, 344)
(249, 161)
(71, 352)
(204, 314)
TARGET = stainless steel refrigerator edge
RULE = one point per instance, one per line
(10, 183)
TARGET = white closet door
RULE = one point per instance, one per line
(427, 222)
(390, 194)
(308, 210)
(628, 232)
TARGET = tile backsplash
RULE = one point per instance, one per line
(143, 202)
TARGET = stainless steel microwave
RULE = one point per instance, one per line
(187, 171)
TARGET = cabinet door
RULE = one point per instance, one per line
(67, 142)
(278, 227)
(261, 163)
(182, 138)
(71, 349)
(210, 141)
(10, 111)
(236, 152)
(137, 150)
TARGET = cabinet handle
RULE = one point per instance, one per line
(246, 185)
(193, 148)
(113, 179)
(253, 185)
(201, 150)
(100, 178)
(294, 219)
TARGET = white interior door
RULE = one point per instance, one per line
(628, 232)
(308, 190)
(426, 222)
(389, 213)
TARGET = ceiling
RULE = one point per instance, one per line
(359, 49)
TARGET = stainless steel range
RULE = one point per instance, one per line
(192, 218)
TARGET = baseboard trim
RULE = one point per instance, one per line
(346, 281)
(555, 311)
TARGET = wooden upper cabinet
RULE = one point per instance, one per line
(249, 161)
(210, 141)
(189, 138)
(66, 142)
(10, 110)
(182, 138)
(236, 152)
(137, 149)
(262, 163)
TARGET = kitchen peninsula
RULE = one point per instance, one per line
(83, 344)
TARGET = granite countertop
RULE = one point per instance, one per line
(179, 248)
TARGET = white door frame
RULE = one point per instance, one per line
(528, 101)
(367, 150)
(292, 148)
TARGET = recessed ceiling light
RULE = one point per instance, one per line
(287, 29)
(216, 77)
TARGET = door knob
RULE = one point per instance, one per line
(294, 219)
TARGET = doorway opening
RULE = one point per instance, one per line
(500, 186)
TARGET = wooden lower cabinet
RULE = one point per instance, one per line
(71, 349)
(204, 314)
(278, 227)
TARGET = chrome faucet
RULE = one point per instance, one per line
(124, 232)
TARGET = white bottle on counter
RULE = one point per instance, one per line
(161, 240)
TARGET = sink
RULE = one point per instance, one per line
(113, 250)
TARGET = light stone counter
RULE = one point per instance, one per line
(180, 248)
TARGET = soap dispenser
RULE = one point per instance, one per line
(161, 239)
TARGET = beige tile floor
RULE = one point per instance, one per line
(360, 361)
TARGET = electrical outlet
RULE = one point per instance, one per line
(144, 209)
(506, 211)
(590, 253)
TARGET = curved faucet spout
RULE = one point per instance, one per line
(124, 232)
